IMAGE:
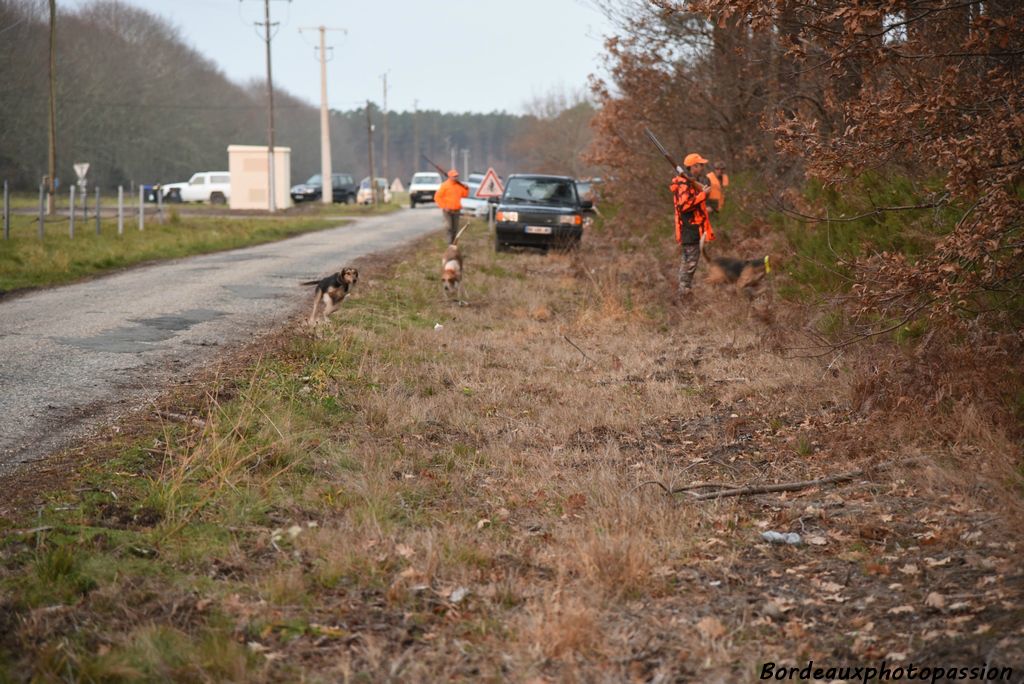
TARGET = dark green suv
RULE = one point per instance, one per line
(539, 211)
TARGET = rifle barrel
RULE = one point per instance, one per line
(661, 148)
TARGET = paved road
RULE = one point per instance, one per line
(75, 356)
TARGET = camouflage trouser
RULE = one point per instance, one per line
(452, 219)
(687, 267)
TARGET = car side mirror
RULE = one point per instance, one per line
(586, 204)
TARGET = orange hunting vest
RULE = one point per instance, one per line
(715, 194)
(449, 195)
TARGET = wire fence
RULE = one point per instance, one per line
(82, 211)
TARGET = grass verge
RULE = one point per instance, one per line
(26, 261)
(187, 229)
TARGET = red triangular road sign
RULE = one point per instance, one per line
(490, 186)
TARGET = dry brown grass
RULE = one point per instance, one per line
(477, 500)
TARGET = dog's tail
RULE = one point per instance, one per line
(459, 234)
(310, 282)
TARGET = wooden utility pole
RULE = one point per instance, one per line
(384, 155)
(369, 134)
(51, 186)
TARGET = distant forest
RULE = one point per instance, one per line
(142, 106)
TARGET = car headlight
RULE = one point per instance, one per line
(512, 216)
(572, 220)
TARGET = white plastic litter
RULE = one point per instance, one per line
(438, 326)
(773, 537)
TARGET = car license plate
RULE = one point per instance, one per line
(539, 230)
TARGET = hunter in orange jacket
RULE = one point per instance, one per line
(692, 223)
(719, 181)
(449, 198)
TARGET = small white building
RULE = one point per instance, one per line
(250, 178)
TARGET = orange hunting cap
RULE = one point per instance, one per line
(694, 158)
(453, 174)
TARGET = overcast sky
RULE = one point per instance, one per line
(451, 55)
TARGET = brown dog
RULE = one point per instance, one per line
(331, 291)
(451, 272)
(744, 274)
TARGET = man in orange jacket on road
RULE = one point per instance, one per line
(692, 223)
(449, 198)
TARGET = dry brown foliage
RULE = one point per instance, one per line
(930, 89)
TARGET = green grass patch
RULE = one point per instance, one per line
(27, 261)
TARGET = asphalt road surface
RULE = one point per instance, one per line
(74, 357)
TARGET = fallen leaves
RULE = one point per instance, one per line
(711, 628)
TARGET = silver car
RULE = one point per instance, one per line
(473, 205)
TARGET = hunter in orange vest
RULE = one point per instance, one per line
(449, 198)
(693, 226)
(718, 180)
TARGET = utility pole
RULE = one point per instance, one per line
(384, 160)
(369, 134)
(52, 188)
(415, 135)
(327, 190)
(267, 26)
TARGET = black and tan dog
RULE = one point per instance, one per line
(331, 291)
(745, 274)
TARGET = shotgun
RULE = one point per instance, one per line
(694, 183)
(444, 174)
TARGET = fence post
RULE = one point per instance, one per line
(7, 212)
(71, 213)
(120, 210)
(97, 210)
(42, 208)
(142, 208)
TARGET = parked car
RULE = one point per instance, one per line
(365, 196)
(539, 211)
(207, 186)
(423, 186)
(473, 205)
(587, 189)
(343, 189)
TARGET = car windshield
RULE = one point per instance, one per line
(473, 187)
(426, 178)
(554, 191)
(314, 180)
